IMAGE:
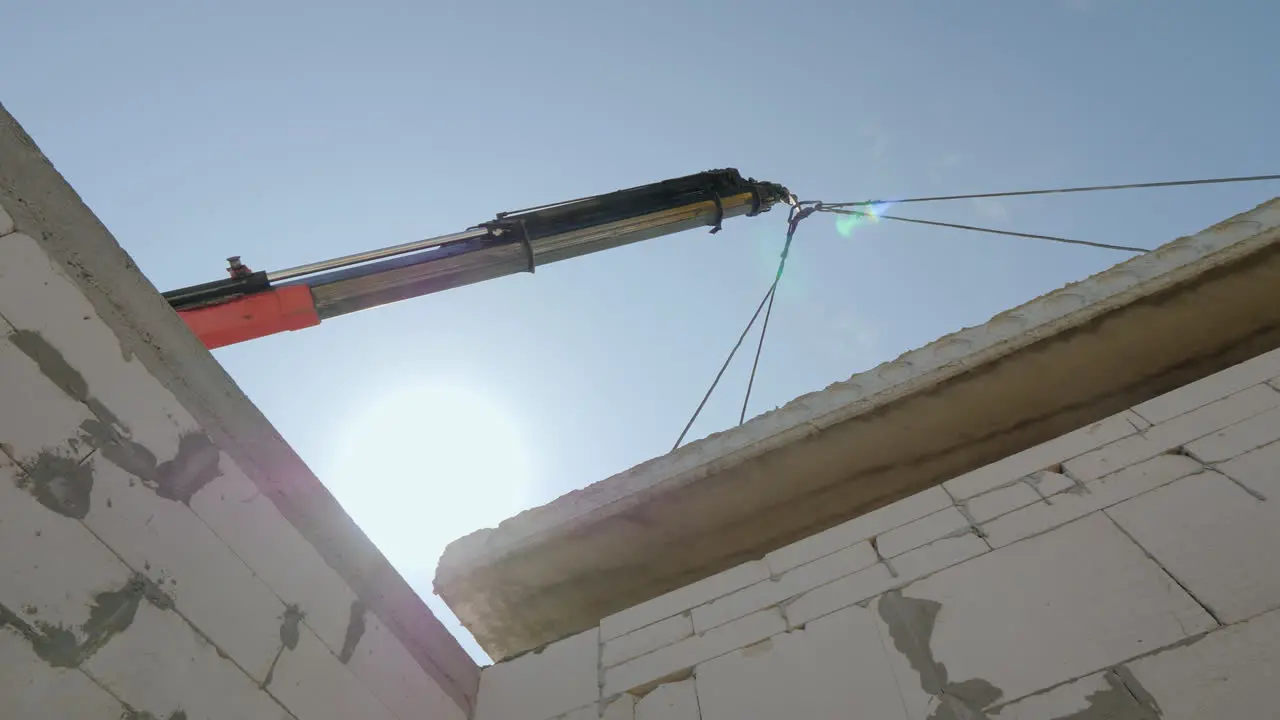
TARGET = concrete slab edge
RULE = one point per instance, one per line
(1071, 306)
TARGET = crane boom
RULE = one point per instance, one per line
(252, 304)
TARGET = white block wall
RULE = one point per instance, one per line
(142, 574)
(1125, 570)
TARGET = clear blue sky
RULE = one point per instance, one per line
(292, 131)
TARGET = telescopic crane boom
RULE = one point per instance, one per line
(252, 304)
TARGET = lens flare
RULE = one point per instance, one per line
(846, 224)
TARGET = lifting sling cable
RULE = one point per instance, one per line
(803, 209)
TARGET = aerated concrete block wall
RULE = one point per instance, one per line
(1126, 570)
(142, 573)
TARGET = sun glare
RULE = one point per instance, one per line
(847, 224)
(426, 463)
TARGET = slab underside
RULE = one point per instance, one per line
(1194, 307)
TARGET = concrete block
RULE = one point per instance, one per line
(915, 564)
(1138, 421)
(921, 532)
(164, 540)
(1114, 457)
(582, 713)
(858, 529)
(736, 605)
(839, 594)
(51, 566)
(41, 421)
(85, 355)
(825, 569)
(671, 701)
(646, 639)
(1207, 390)
(1215, 538)
(835, 668)
(1231, 673)
(543, 684)
(623, 708)
(310, 681)
(1258, 470)
(1094, 496)
(1104, 696)
(793, 582)
(159, 665)
(6, 222)
(31, 689)
(1238, 439)
(1174, 432)
(993, 504)
(249, 523)
(1042, 456)
(383, 664)
(1024, 618)
(687, 653)
(1050, 483)
(682, 599)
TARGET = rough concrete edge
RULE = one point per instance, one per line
(51, 211)
(913, 372)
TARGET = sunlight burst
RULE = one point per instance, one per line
(425, 463)
(846, 224)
